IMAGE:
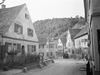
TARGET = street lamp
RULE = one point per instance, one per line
(2, 2)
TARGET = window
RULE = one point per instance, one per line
(26, 16)
(19, 47)
(30, 32)
(41, 46)
(51, 45)
(31, 48)
(34, 47)
(18, 28)
(8, 47)
(14, 46)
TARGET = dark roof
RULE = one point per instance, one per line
(63, 40)
(7, 16)
(74, 32)
(63, 37)
(83, 31)
(42, 40)
(78, 26)
(64, 34)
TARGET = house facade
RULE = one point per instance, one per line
(92, 15)
(42, 47)
(81, 42)
(17, 30)
(51, 48)
(81, 39)
(70, 45)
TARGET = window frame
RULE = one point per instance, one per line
(31, 49)
(26, 16)
(30, 30)
(16, 26)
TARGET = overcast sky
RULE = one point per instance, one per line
(44, 9)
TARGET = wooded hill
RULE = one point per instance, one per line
(56, 26)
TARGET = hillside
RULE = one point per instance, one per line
(56, 26)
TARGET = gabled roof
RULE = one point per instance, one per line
(7, 16)
(63, 37)
(42, 40)
(83, 31)
(77, 26)
(74, 32)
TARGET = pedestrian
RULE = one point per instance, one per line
(38, 58)
(88, 68)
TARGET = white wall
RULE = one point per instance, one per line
(80, 43)
(69, 43)
(20, 19)
(25, 23)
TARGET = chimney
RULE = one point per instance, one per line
(3, 6)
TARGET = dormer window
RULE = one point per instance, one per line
(26, 16)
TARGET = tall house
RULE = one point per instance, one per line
(92, 15)
(17, 30)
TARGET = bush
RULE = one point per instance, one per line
(22, 60)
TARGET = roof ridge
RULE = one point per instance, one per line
(22, 5)
(7, 16)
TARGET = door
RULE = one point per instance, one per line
(98, 39)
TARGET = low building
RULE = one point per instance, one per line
(42, 46)
(51, 48)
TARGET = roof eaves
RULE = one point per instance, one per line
(8, 17)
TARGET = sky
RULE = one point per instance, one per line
(44, 9)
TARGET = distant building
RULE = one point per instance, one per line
(81, 41)
(59, 44)
(51, 48)
(17, 30)
(70, 45)
(42, 46)
(92, 16)
(67, 39)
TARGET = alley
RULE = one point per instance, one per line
(60, 67)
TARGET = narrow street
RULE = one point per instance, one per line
(60, 67)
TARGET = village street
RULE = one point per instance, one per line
(49, 37)
(60, 67)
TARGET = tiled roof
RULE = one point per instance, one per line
(74, 32)
(7, 16)
(63, 37)
(78, 26)
(42, 40)
(83, 31)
